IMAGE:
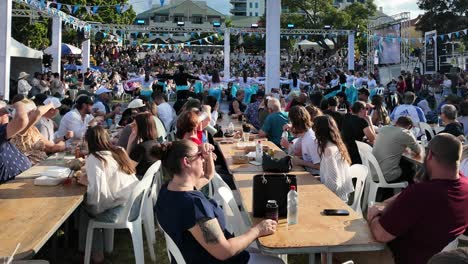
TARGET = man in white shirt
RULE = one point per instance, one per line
(165, 111)
(408, 109)
(46, 124)
(78, 119)
(23, 85)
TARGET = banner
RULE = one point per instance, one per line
(430, 46)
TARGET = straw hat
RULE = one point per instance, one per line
(23, 75)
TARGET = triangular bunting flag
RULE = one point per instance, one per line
(125, 8)
(69, 7)
(59, 6)
(198, 33)
(457, 34)
(75, 8)
(200, 41)
(185, 35)
(95, 9)
(211, 37)
(465, 31)
(263, 35)
(118, 9)
(450, 35)
(287, 37)
(88, 10)
(188, 44)
(163, 46)
(441, 37)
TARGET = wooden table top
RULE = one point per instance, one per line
(31, 214)
(314, 232)
(415, 158)
(229, 150)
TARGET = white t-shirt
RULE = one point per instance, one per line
(464, 167)
(309, 147)
(166, 114)
(99, 107)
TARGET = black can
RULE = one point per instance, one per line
(271, 211)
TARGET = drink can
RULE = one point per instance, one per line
(271, 210)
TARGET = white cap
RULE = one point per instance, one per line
(102, 90)
(136, 103)
(54, 100)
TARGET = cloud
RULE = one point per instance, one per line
(394, 7)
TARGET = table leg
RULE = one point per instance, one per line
(312, 258)
(329, 258)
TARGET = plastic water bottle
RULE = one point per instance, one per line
(293, 201)
(231, 128)
(259, 151)
(424, 140)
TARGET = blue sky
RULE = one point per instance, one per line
(390, 7)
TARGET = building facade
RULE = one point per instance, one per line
(251, 8)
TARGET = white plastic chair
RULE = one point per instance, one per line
(380, 91)
(172, 249)
(124, 221)
(358, 172)
(148, 213)
(368, 159)
(223, 195)
(427, 127)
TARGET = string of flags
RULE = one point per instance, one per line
(183, 44)
(90, 10)
(442, 37)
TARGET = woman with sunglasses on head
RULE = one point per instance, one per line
(335, 160)
(195, 223)
(110, 178)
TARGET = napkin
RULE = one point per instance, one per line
(56, 171)
(48, 181)
(252, 155)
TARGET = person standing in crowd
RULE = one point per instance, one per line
(12, 161)
(356, 126)
(23, 85)
(57, 86)
(449, 119)
(110, 179)
(408, 109)
(165, 111)
(446, 86)
(434, 209)
(305, 146)
(143, 138)
(78, 119)
(195, 223)
(388, 149)
(335, 160)
(273, 126)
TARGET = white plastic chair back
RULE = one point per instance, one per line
(379, 91)
(358, 172)
(426, 127)
(173, 250)
(369, 160)
(451, 246)
(225, 198)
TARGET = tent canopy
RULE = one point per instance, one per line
(18, 49)
(67, 49)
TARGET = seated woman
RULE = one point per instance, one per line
(305, 146)
(143, 138)
(334, 167)
(30, 141)
(194, 222)
(110, 178)
(190, 125)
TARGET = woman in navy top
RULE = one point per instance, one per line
(194, 222)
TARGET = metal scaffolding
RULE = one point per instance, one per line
(403, 19)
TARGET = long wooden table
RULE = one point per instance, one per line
(315, 232)
(229, 150)
(30, 215)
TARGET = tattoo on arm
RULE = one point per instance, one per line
(211, 232)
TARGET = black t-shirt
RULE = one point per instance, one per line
(352, 130)
(337, 116)
(455, 129)
(141, 153)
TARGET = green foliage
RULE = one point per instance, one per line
(107, 13)
(318, 13)
(33, 35)
(443, 16)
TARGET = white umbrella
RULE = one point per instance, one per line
(67, 49)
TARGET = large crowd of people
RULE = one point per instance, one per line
(161, 108)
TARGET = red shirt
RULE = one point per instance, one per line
(401, 87)
(425, 218)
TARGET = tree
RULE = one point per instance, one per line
(318, 13)
(443, 16)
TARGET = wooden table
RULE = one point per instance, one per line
(31, 214)
(228, 150)
(314, 233)
(417, 159)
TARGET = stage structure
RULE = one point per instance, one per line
(388, 41)
(35, 10)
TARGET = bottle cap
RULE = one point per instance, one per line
(292, 187)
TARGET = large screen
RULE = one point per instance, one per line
(387, 45)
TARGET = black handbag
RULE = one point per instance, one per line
(282, 165)
(271, 187)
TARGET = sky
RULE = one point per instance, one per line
(390, 7)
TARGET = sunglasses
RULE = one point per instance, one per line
(196, 156)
